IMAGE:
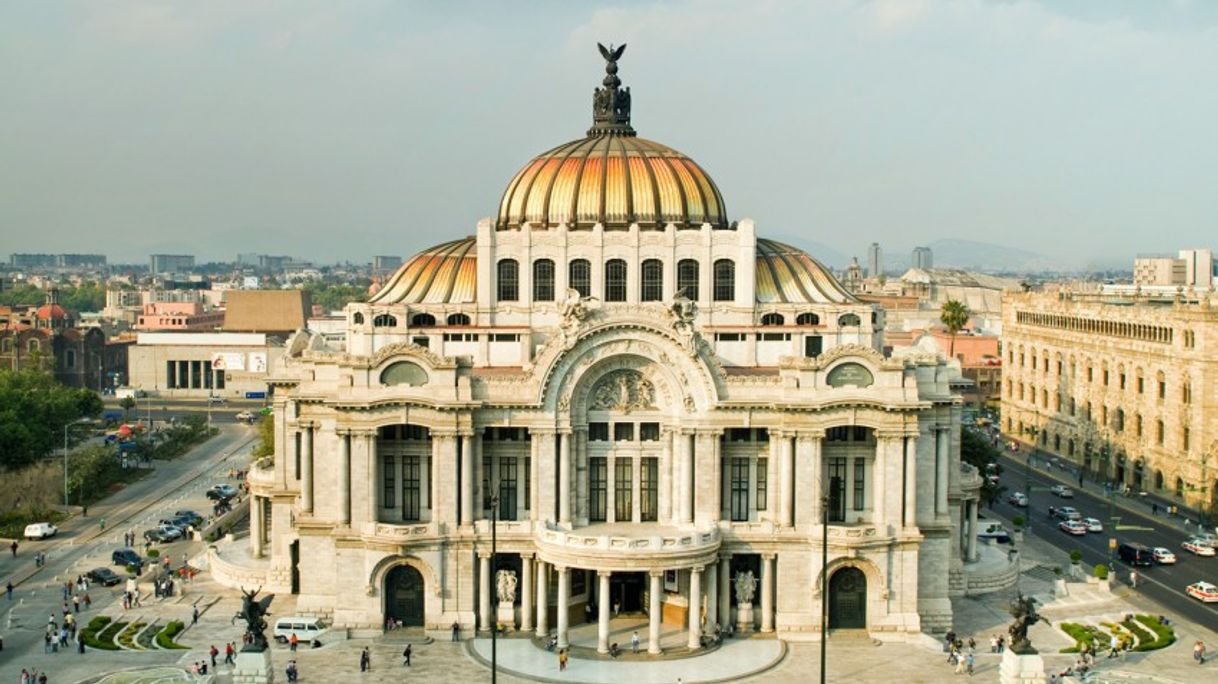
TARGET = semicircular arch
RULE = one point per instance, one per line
(380, 571)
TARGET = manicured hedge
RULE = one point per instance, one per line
(1082, 634)
(1164, 635)
(94, 634)
(165, 638)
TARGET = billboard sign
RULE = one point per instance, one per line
(257, 362)
(228, 361)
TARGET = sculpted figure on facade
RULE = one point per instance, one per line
(574, 311)
(623, 390)
(746, 586)
(682, 312)
(506, 585)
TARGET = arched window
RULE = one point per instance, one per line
(458, 319)
(358, 318)
(807, 319)
(579, 276)
(6, 345)
(687, 278)
(509, 280)
(1179, 487)
(772, 319)
(848, 321)
(615, 280)
(725, 280)
(404, 373)
(32, 347)
(651, 281)
(422, 320)
(1158, 480)
(543, 280)
(1159, 432)
(384, 321)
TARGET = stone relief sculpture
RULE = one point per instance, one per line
(574, 310)
(506, 586)
(623, 390)
(682, 313)
(746, 586)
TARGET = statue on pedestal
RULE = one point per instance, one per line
(254, 613)
(506, 586)
(746, 586)
(1023, 609)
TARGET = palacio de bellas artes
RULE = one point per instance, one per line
(652, 409)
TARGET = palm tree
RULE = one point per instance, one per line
(955, 316)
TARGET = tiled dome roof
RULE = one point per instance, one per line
(442, 274)
(786, 274)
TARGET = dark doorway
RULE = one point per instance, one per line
(848, 599)
(404, 596)
(626, 592)
(294, 554)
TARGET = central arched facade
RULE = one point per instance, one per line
(405, 599)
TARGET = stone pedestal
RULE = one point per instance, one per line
(253, 667)
(1021, 669)
(744, 617)
(506, 615)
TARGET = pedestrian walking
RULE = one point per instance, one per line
(13, 546)
(1133, 578)
(1199, 652)
(194, 616)
(101, 525)
(8, 590)
(75, 604)
(562, 660)
(88, 602)
(213, 652)
(634, 642)
(456, 631)
(365, 660)
(228, 653)
(969, 660)
(406, 656)
(293, 641)
(80, 642)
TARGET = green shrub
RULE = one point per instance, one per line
(1164, 635)
(153, 553)
(165, 638)
(1076, 556)
(1057, 570)
(1144, 637)
(100, 633)
(1018, 522)
(1100, 572)
(126, 638)
(1080, 634)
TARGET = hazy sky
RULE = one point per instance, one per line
(337, 130)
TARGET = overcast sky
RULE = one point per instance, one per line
(339, 130)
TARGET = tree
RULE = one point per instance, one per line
(266, 439)
(34, 409)
(126, 403)
(955, 316)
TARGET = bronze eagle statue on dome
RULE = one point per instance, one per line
(612, 54)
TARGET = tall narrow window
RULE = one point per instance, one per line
(528, 481)
(739, 478)
(623, 487)
(410, 488)
(507, 487)
(486, 481)
(509, 280)
(687, 278)
(543, 280)
(836, 470)
(860, 484)
(649, 490)
(725, 280)
(597, 482)
(615, 280)
(763, 476)
(387, 500)
(579, 276)
(651, 281)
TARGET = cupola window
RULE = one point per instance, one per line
(687, 278)
(615, 280)
(422, 320)
(543, 280)
(579, 276)
(458, 319)
(849, 321)
(807, 319)
(384, 321)
(772, 319)
(725, 280)
(509, 280)
(652, 281)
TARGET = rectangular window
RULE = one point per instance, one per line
(1162, 389)
(836, 470)
(528, 481)
(460, 337)
(1184, 439)
(623, 488)
(505, 337)
(763, 478)
(774, 337)
(649, 490)
(598, 432)
(411, 493)
(597, 482)
(171, 379)
(860, 475)
(649, 432)
(296, 437)
(813, 346)
(507, 487)
(219, 379)
(486, 482)
(623, 432)
(652, 281)
(729, 337)
(579, 277)
(387, 498)
(422, 341)
(739, 478)
(207, 375)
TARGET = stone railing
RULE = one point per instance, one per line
(261, 473)
(234, 575)
(970, 478)
(504, 527)
(408, 531)
(684, 542)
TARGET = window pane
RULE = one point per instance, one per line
(763, 474)
(543, 280)
(579, 276)
(837, 489)
(623, 432)
(623, 486)
(687, 278)
(649, 432)
(598, 432)
(410, 488)
(596, 488)
(649, 490)
(740, 489)
(615, 280)
(860, 469)
(387, 500)
(652, 279)
(509, 281)
(507, 487)
(725, 280)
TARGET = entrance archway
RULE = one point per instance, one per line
(404, 596)
(848, 599)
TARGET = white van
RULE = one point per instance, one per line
(40, 530)
(308, 630)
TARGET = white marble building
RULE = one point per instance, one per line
(651, 400)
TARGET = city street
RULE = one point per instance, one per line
(1162, 583)
(82, 545)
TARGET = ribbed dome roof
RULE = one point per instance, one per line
(444, 274)
(614, 180)
(788, 275)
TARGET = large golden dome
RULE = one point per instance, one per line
(611, 177)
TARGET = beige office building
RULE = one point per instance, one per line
(648, 397)
(1137, 373)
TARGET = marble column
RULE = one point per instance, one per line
(941, 477)
(547, 470)
(344, 477)
(786, 472)
(543, 599)
(526, 593)
(725, 588)
(767, 592)
(666, 515)
(879, 488)
(564, 478)
(655, 611)
(534, 482)
(306, 469)
(684, 488)
(911, 482)
(971, 540)
(773, 483)
(716, 478)
(484, 591)
(712, 596)
(564, 598)
(256, 520)
(815, 488)
(467, 479)
(602, 621)
(375, 481)
(695, 609)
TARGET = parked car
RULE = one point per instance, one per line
(1068, 513)
(1062, 491)
(1135, 554)
(1163, 556)
(216, 401)
(245, 417)
(1072, 527)
(1203, 591)
(1207, 539)
(308, 630)
(1197, 547)
(179, 524)
(126, 556)
(1093, 524)
(1018, 499)
(40, 530)
(104, 576)
(221, 492)
(163, 534)
(193, 517)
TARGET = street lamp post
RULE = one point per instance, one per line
(824, 585)
(1027, 473)
(495, 621)
(66, 428)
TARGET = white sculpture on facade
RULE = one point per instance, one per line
(506, 584)
(746, 586)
